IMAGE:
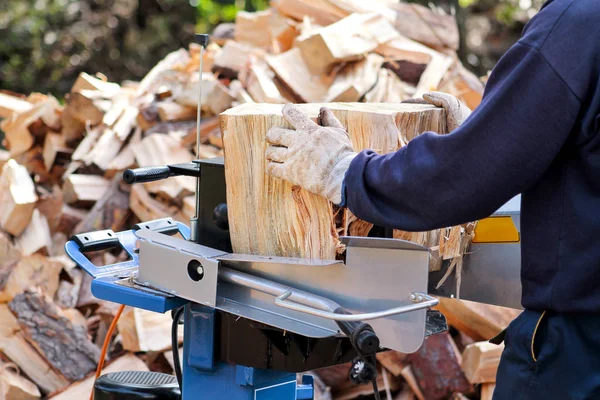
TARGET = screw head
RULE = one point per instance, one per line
(413, 297)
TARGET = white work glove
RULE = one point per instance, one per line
(456, 111)
(314, 157)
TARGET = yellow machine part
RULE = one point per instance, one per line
(500, 229)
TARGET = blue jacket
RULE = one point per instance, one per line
(536, 132)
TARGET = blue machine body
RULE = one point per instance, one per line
(203, 377)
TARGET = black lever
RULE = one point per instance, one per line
(146, 174)
(151, 174)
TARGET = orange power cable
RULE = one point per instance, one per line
(109, 334)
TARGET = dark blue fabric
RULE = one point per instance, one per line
(567, 358)
(534, 133)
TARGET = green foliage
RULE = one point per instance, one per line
(46, 43)
(213, 12)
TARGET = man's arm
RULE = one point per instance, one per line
(502, 149)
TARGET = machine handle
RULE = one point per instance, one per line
(420, 300)
(146, 174)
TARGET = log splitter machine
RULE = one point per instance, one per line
(252, 323)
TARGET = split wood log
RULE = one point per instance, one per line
(306, 223)
(251, 28)
(403, 48)
(87, 82)
(4, 157)
(294, 73)
(84, 190)
(389, 89)
(104, 150)
(82, 389)
(393, 361)
(405, 394)
(148, 116)
(184, 129)
(55, 150)
(433, 74)
(477, 320)
(84, 147)
(146, 208)
(143, 330)
(9, 254)
(323, 12)
(170, 358)
(31, 363)
(10, 105)
(260, 85)
(36, 237)
(220, 99)
(238, 92)
(169, 112)
(189, 206)
(349, 391)
(233, 58)
(17, 198)
(222, 33)
(72, 128)
(409, 376)
(110, 211)
(283, 32)
(65, 345)
(9, 325)
(35, 271)
(211, 52)
(111, 141)
(67, 294)
(480, 362)
(125, 159)
(164, 150)
(185, 90)
(50, 205)
(187, 130)
(16, 127)
(355, 80)
(436, 366)
(24, 356)
(69, 218)
(459, 396)
(86, 107)
(13, 386)
(407, 71)
(432, 28)
(33, 160)
(487, 391)
(153, 79)
(346, 40)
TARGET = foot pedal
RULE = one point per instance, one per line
(136, 385)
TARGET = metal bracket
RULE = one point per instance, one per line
(116, 282)
(425, 301)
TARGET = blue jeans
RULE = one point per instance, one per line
(550, 356)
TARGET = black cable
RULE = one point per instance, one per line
(376, 390)
(175, 347)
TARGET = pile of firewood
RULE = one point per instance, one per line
(61, 175)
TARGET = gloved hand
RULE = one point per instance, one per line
(456, 111)
(314, 157)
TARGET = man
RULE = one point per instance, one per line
(536, 132)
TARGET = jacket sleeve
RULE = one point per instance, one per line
(503, 148)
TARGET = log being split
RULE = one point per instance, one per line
(269, 216)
